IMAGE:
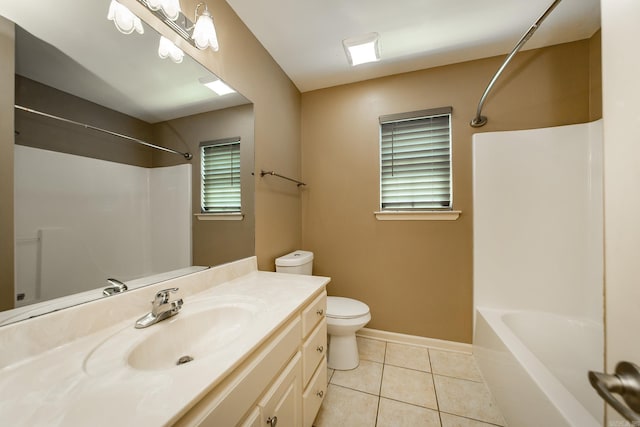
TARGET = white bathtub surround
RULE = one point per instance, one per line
(538, 272)
(538, 220)
(55, 360)
(67, 225)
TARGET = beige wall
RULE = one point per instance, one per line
(416, 276)
(244, 64)
(7, 67)
(214, 242)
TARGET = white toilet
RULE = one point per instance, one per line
(345, 316)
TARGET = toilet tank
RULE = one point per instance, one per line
(298, 262)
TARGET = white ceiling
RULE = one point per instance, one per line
(305, 37)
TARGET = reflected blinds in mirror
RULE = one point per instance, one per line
(221, 176)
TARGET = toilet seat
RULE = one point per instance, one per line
(345, 308)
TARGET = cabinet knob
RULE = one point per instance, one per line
(320, 394)
(272, 421)
(320, 349)
(320, 312)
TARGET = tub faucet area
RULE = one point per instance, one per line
(162, 307)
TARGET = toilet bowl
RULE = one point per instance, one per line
(345, 316)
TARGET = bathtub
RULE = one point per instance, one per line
(538, 378)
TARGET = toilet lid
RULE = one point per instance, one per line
(345, 308)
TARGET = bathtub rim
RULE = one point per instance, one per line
(571, 409)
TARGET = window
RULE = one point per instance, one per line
(220, 176)
(415, 161)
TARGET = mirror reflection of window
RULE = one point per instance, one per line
(220, 191)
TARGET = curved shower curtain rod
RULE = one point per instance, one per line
(479, 119)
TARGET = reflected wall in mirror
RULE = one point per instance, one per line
(90, 205)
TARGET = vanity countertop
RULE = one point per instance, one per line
(88, 380)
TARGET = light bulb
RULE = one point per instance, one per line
(204, 33)
(154, 4)
(167, 49)
(125, 21)
(170, 8)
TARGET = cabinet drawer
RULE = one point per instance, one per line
(313, 350)
(314, 313)
(314, 394)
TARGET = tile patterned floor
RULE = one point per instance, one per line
(399, 385)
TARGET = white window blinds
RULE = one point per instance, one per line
(220, 176)
(415, 160)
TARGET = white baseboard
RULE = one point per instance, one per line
(415, 340)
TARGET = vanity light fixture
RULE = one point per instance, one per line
(167, 49)
(170, 8)
(362, 49)
(217, 85)
(125, 21)
(204, 32)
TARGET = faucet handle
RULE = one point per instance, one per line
(162, 297)
(116, 287)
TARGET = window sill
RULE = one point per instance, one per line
(220, 216)
(417, 216)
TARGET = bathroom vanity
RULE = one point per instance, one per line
(247, 348)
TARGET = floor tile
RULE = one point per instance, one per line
(449, 420)
(346, 407)
(452, 364)
(466, 398)
(392, 413)
(408, 385)
(405, 385)
(408, 356)
(372, 350)
(366, 377)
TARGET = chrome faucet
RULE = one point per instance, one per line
(161, 308)
(116, 287)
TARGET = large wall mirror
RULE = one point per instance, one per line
(92, 205)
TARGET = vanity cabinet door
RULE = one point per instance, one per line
(281, 406)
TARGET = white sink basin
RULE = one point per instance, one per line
(199, 330)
